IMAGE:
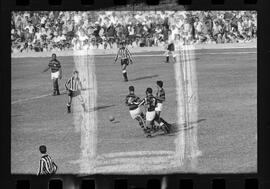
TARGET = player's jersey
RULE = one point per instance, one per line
(151, 103)
(73, 84)
(54, 65)
(160, 95)
(132, 101)
(46, 165)
(123, 53)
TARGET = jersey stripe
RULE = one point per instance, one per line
(73, 84)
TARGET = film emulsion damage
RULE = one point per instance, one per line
(133, 92)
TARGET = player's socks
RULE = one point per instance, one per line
(167, 59)
(68, 108)
(125, 76)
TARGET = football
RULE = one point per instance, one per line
(112, 118)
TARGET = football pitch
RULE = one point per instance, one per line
(227, 111)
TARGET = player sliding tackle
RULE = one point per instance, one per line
(74, 87)
(133, 101)
(151, 103)
(125, 57)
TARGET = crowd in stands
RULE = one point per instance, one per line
(58, 30)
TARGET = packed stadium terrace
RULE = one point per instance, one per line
(56, 30)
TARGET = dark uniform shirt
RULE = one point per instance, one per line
(132, 101)
(160, 95)
(54, 65)
(151, 103)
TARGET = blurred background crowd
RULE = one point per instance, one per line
(56, 30)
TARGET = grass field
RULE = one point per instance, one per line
(227, 130)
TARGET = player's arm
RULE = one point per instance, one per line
(40, 167)
(60, 71)
(129, 56)
(67, 83)
(142, 102)
(115, 59)
(46, 69)
(80, 85)
(55, 167)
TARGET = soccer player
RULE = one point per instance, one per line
(125, 56)
(74, 87)
(160, 96)
(170, 48)
(46, 164)
(133, 101)
(151, 103)
(56, 73)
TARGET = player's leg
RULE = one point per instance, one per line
(174, 55)
(167, 56)
(136, 114)
(150, 116)
(124, 69)
(69, 101)
(54, 86)
(57, 86)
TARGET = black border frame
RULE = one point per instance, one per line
(199, 180)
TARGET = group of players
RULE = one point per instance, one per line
(149, 122)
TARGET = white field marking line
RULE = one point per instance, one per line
(150, 55)
(34, 98)
(136, 153)
(146, 55)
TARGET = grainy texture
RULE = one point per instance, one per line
(227, 131)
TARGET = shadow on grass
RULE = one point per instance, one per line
(174, 128)
(145, 77)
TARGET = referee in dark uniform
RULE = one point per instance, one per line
(46, 164)
(56, 73)
(125, 57)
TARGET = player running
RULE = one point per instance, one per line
(170, 48)
(56, 73)
(74, 87)
(125, 56)
(151, 103)
(132, 101)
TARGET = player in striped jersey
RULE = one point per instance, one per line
(46, 164)
(132, 101)
(125, 56)
(56, 73)
(74, 87)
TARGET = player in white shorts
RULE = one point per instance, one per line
(132, 101)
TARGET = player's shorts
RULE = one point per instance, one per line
(159, 107)
(150, 116)
(74, 93)
(135, 113)
(55, 75)
(124, 61)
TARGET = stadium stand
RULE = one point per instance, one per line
(57, 30)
